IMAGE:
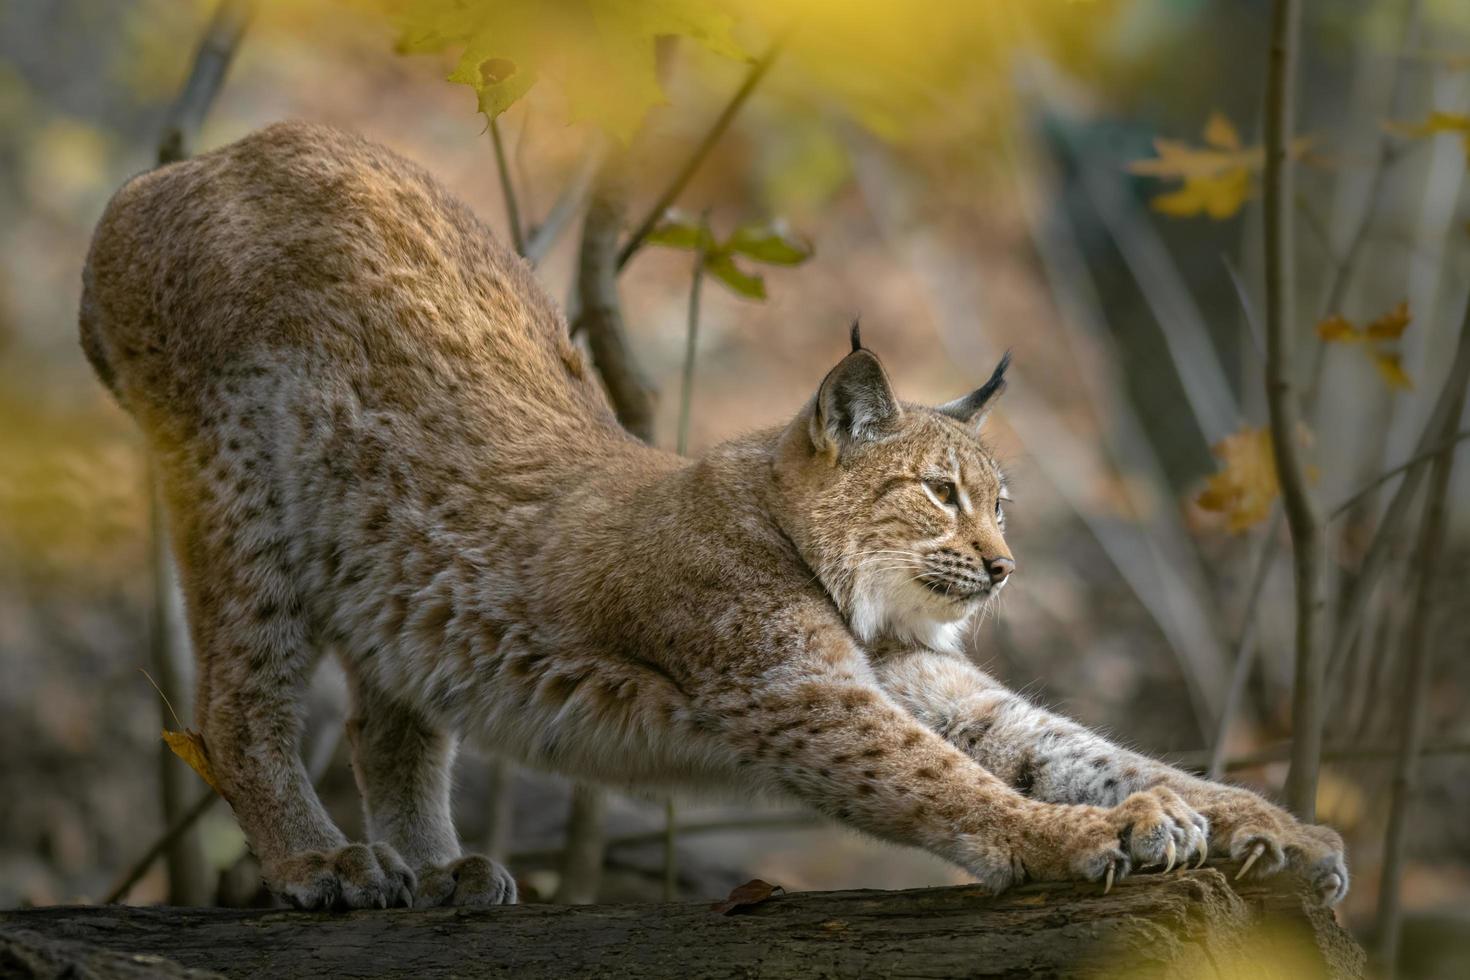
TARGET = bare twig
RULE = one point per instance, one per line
(581, 857)
(1413, 462)
(1301, 511)
(182, 823)
(568, 202)
(1240, 673)
(168, 656)
(711, 137)
(499, 816)
(601, 315)
(512, 210)
(671, 859)
(1354, 752)
(324, 746)
(1442, 419)
(691, 342)
(1181, 324)
(211, 62)
(1414, 703)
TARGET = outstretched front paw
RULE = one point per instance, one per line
(1267, 840)
(358, 876)
(472, 880)
(1159, 829)
(1154, 828)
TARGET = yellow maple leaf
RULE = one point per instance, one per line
(1221, 132)
(189, 746)
(601, 53)
(1391, 325)
(1338, 329)
(1377, 336)
(1436, 123)
(1245, 486)
(1219, 197)
(1175, 158)
(1216, 176)
(1391, 368)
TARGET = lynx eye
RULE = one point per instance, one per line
(943, 491)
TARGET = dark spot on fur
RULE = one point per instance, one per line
(1025, 780)
(1099, 762)
(926, 773)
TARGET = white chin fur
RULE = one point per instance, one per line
(887, 604)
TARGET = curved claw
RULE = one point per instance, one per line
(1169, 855)
(1256, 853)
(1108, 882)
(1204, 854)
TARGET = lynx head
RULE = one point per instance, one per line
(898, 508)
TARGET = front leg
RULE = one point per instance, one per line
(819, 728)
(1051, 758)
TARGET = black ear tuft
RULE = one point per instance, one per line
(854, 405)
(973, 407)
(857, 336)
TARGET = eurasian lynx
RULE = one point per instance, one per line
(375, 436)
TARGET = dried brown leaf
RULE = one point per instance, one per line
(753, 892)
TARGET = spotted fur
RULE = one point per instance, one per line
(376, 437)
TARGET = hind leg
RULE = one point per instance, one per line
(251, 641)
(403, 765)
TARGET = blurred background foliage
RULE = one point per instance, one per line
(1076, 181)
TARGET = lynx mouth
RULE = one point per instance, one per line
(951, 590)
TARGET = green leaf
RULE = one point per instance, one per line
(773, 244)
(723, 267)
(680, 230)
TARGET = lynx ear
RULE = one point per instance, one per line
(855, 404)
(973, 408)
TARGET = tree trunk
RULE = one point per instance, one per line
(1187, 924)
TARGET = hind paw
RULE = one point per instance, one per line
(472, 880)
(357, 876)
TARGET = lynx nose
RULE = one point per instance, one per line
(1000, 569)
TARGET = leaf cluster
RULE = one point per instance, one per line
(770, 243)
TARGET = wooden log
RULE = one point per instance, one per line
(1188, 924)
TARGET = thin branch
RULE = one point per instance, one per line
(1442, 419)
(582, 855)
(1355, 752)
(211, 61)
(324, 747)
(573, 195)
(500, 814)
(717, 129)
(176, 830)
(1301, 511)
(1413, 462)
(671, 855)
(512, 210)
(1414, 704)
(686, 387)
(1257, 335)
(1240, 673)
(601, 314)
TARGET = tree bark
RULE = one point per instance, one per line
(1186, 924)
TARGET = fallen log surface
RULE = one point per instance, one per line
(1189, 924)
